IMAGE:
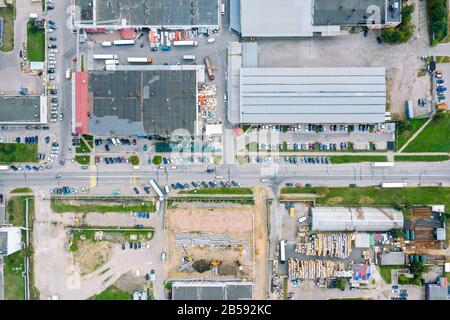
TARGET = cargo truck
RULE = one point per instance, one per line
(105, 56)
(209, 68)
(112, 61)
(282, 252)
(139, 60)
(123, 42)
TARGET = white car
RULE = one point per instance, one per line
(263, 180)
(210, 40)
(219, 177)
(173, 167)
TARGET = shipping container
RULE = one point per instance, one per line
(409, 110)
(106, 44)
(112, 61)
(209, 68)
(416, 257)
(139, 60)
(423, 259)
(411, 258)
(407, 234)
(411, 234)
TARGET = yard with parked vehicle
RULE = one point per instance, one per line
(434, 138)
(18, 152)
(8, 15)
(375, 195)
(35, 42)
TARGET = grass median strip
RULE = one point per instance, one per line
(422, 158)
(83, 160)
(35, 42)
(375, 195)
(18, 152)
(8, 15)
(62, 206)
(356, 159)
(218, 191)
(22, 190)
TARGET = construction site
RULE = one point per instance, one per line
(217, 243)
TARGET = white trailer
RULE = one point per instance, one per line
(112, 61)
(382, 164)
(188, 57)
(4, 167)
(123, 42)
(157, 189)
(282, 251)
(185, 43)
(393, 184)
(106, 44)
(106, 56)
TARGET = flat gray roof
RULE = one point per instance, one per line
(20, 109)
(393, 258)
(355, 12)
(312, 95)
(141, 102)
(212, 291)
(148, 13)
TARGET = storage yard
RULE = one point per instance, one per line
(335, 245)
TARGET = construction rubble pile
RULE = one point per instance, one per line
(207, 101)
(332, 244)
(206, 239)
(277, 282)
(313, 269)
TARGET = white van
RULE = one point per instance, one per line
(222, 9)
(210, 40)
(188, 57)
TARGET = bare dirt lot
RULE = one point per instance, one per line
(247, 223)
(91, 255)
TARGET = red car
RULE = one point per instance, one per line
(97, 160)
(134, 142)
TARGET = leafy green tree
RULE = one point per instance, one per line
(157, 160)
(397, 233)
(341, 283)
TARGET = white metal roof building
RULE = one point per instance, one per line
(312, 95)
(10, 240)
(270, 18)
(356, 219)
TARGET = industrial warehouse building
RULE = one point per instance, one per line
(21, 110)
(169, 14)
(302, 95)
(306, 18)
(136, 100)
(356, 219)
(211, 290)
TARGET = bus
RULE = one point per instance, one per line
(282, 251)
(106, 57)
(157, 189)
(123, 42)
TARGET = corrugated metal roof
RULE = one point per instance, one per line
(356, 219)
(249, 55)
(212, 290)
(287, 18)
(319, 95)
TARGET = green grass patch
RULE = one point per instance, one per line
(421, 72)
(217, 160)
(62, 206)
(35, 42)
(403, 280)
(83, 160)
(12, 272)
(83, 147)
(434, 138)
(43, 5)
(422, 158)
(219, 191)
(442, 59)
(22, 190)
(89, 139)
(376, 196)
(113, 293)
(385, 272)
(8, 14)
(18, 152)
(406, 130)
(357, 159)
(238, 200)
(15, 207)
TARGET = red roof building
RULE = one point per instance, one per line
(81, 103)
(128, 33)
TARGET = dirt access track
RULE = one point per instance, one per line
(243, 222)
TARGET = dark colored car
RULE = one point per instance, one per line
(107, 147)
(52, 38)
(123, 246)
(135, 245)
(52, 46)
(379, 40)
(139, 226)
(147, 190)
(139, 245)
(50, 6)
(50, 70)
(136, 190)
(131, 245)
